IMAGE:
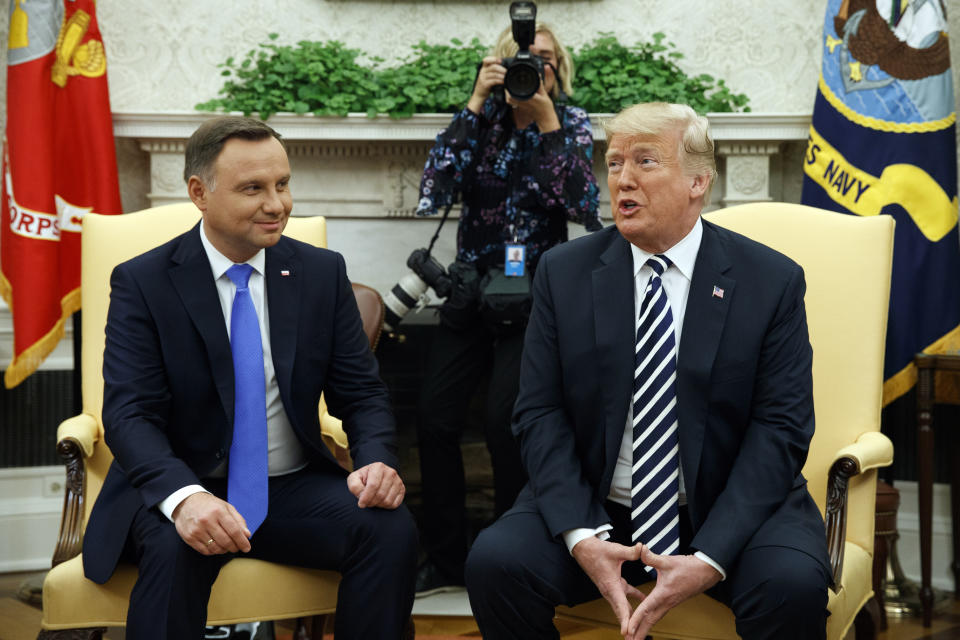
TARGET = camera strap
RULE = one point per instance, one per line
(436, 234)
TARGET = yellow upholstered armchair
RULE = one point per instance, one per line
(246, 589)
(847, 261)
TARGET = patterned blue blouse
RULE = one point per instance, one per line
(515, 185)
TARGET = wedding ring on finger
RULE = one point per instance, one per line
(208, 542)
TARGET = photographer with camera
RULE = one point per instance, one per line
(520, 162)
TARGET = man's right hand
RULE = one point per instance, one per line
(202, 517)
(602, 561)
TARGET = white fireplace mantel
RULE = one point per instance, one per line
(360, 167)
(356, 127)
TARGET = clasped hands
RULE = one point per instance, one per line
(213, 526)
(678, 578)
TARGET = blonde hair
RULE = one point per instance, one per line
(696, 153)
(507, 47)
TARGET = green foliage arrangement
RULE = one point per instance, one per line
(611, 76)
(434, 79)
(323, 78)
(327, 78)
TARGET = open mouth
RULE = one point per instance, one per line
(627, 206)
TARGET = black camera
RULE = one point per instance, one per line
(425, 272)
(524, 70)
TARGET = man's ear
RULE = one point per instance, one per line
(698, 185)
(197, 191)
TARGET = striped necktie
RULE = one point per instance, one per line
(247, 468)
(655, 492)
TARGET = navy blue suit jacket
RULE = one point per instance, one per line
(744, 392)
(168, 376)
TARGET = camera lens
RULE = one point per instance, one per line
(403, 297)
(522, 80)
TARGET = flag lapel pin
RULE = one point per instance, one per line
(717, 292)
(284, 272)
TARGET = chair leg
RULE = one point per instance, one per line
(72, 634)
(312, 631)
(867, 621)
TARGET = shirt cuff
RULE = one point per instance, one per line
(572, 536)
(169, 504)
(710, 561)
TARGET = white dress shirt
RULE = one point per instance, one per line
(676, 284)
(284, 452)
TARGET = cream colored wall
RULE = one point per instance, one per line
(163, 56)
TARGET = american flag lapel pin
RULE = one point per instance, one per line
(717, 292)
(286, 272)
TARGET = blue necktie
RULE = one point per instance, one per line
(247, 467)
(656, 455)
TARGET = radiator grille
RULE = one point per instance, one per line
(29, 416)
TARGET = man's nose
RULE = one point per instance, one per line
(273, 203)
(627, 178)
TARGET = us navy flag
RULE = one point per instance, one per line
(883, 141)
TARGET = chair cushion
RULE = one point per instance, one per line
(703, 618)
(253, 589)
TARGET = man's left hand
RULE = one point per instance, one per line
(678, 578)
(376, 485)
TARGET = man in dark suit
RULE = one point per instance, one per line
(725, 389)
(211, 388)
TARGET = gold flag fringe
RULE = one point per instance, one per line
(33, 356)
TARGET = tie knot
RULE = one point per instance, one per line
(659, 264)
(240, 274)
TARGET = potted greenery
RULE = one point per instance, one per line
(330, 79)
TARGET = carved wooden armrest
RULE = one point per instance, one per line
(871, 450)
(75, 440)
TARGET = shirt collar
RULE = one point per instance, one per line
(219, 263)
(683, 255)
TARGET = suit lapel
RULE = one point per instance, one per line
(703, 324)
(193, 280)
(613, 322)
(284, 279)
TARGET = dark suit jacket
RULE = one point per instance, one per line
(744, 392)
(168, 376)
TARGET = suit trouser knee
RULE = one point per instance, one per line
(315, 522)
(778, 593)
(517, 574)
(169, 599)
(380, 568)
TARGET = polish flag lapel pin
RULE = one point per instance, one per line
(286, 272)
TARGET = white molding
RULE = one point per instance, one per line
(908, 526)
(31, 501)
(173, 125)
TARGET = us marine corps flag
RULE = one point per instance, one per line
(58, 164)
(883, 141)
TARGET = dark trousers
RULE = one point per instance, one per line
(457, 362)
(517, 574)
(313, 521)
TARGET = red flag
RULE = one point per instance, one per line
(58, 164)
